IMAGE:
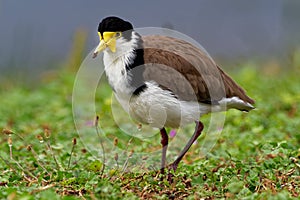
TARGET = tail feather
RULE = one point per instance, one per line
(236, 103)
(234, 90)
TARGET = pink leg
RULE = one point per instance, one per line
(197, 133)
(164, 143)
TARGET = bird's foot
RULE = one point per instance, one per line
(171, 171)
(173, 166)
(167, 173)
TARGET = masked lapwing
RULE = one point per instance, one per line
(164, 81)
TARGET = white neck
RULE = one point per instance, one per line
(115, 63)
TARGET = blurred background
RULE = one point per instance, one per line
(38, 36)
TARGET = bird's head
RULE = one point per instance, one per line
(110, 31)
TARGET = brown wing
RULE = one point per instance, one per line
(187, 71)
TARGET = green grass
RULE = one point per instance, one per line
(256, 156)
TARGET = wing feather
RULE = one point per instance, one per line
(187, 71)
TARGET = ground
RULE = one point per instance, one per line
(256, 156)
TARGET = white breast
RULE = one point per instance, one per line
(159, 108)
(116, 73)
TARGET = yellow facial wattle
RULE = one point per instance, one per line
(107, 40)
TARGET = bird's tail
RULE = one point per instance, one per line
(236, 103)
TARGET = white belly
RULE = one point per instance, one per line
(158, 108)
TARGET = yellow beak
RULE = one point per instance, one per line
(108, 40)
(101, 46)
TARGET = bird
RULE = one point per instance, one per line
(163, 81)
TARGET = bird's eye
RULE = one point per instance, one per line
(118, 34)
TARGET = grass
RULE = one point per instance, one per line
(256, 156)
